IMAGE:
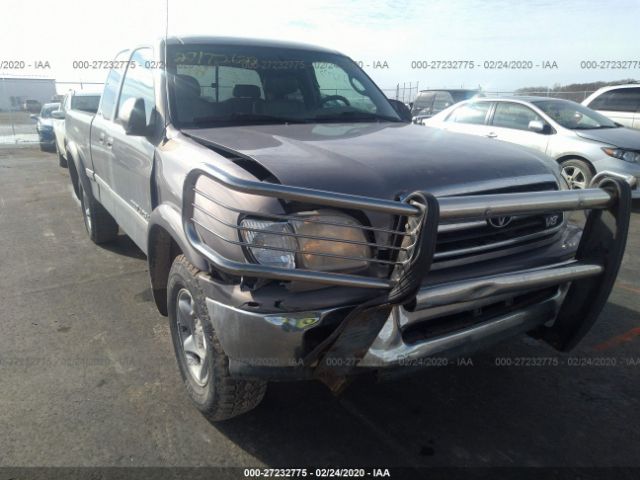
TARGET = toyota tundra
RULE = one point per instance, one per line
(298, 226)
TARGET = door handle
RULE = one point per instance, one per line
(109, 142)
(101, 138)
(492, 135)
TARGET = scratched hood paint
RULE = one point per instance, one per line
(382, 160)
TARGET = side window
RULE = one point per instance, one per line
(443, 100)
(138, 82)
(514, 115)
(333, 80)
(474, 113)
(621, 100)
(424, 102)
(110, 92)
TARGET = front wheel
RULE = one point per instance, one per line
(577, 173)
(203, 365)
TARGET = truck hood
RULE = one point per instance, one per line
(385, 160)
(621, 137)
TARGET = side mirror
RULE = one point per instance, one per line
(401, 109)
(33, 116)
(58, 114)
(133, 117)
(539, 127)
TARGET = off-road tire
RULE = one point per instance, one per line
(100, 225)
(221, 397)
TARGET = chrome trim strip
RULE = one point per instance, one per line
(492, 246)
(459, 226)
(482, 287)
(485, 206)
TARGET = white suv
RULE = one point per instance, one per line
(621, 103)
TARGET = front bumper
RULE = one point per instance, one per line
(412, 317)
(478, 312)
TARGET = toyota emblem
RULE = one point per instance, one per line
(499, 222)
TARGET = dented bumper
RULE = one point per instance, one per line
(410, 317)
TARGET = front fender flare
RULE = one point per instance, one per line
(163, 234)
(169, 218)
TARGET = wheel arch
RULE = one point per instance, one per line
(564, 158)
(165, 241)
(76, 168)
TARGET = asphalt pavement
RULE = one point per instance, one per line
(88, 375)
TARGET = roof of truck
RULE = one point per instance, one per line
(245, 42)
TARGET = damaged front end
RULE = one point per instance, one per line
(400, 305)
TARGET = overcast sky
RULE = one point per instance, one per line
(393, 31)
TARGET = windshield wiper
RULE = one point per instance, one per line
(354, 115)
(245, 119)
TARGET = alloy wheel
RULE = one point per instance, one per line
(575, 177)
(192, 338)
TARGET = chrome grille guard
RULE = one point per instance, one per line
(406, 244)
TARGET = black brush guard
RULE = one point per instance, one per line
(591, 275)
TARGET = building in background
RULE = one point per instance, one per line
(17, 93)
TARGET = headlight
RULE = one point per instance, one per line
(310, 237)
(626, 155)
(280, 251)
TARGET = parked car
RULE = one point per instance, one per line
(83, 101)
(582, 141)
(32, 106)
(44, 126)
(620, 103)
(430, 102)
(291, 235)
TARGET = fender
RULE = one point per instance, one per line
(78, 164)
(165, 227)
(169, 218)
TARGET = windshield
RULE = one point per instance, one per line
(48, 108)
(86, 103)
(213, 85)
(573, 115)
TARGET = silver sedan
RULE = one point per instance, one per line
(581, 140)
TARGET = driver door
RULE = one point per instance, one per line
(510, 123)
